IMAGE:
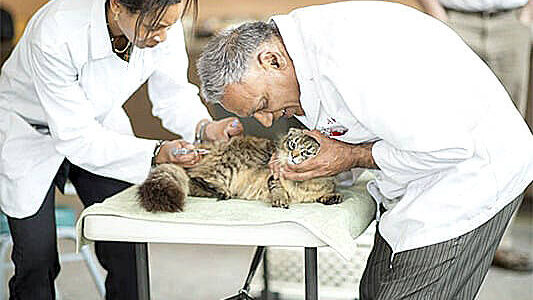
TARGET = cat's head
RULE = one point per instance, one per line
(298, 146)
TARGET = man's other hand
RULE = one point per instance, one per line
(223, 129)
(333, 158)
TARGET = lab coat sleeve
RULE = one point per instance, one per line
(422, 130)
(175, 101)
(416, 143)
(73, 125)
(406, 166)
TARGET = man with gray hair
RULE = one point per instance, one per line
(361, 76)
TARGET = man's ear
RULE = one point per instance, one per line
(272, 59)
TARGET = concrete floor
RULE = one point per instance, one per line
(212, 272)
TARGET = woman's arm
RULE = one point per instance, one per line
(174, 99)
(73, 125)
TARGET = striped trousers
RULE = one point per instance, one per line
(453, 269)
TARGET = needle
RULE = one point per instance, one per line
(183, 151)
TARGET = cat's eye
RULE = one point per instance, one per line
(290, 145)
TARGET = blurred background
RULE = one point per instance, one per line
(212, 272)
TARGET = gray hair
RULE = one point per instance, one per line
(226, 57)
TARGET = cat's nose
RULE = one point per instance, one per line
(295, 153)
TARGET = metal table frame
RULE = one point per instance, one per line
(311, 273)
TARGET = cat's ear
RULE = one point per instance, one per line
(294, 130)
(272, 60)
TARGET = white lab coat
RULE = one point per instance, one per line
(451, 146)
(63, 74)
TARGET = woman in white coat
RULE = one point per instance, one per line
(61, 117)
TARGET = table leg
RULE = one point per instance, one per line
(265, 293)
(244, 292)
(311, 276)
(143, 277)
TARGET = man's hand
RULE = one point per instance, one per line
(223, 129)
(186, 160)
(333, 158)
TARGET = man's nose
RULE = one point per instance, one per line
(264, 118)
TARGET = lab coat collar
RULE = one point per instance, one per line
(99, 35)
(292, 39)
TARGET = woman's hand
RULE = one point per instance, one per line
(333, 158)
(185, 160)
(223, 129)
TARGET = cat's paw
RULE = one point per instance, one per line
(280, 198)
(329, 199)
(279, 202)
(223, 196)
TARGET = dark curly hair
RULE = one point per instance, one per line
(155, 9)
(7, 28)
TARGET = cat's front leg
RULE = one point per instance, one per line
(278, 196)
(332, 198)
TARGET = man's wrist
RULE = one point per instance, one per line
(362, 156)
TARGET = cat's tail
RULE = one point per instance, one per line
(165, 189)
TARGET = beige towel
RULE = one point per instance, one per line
(337, 225)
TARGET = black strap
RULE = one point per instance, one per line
(43, 129)
(62, 175)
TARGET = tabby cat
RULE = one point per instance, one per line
(238, 168)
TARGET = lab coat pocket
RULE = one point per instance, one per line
(22, 147)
